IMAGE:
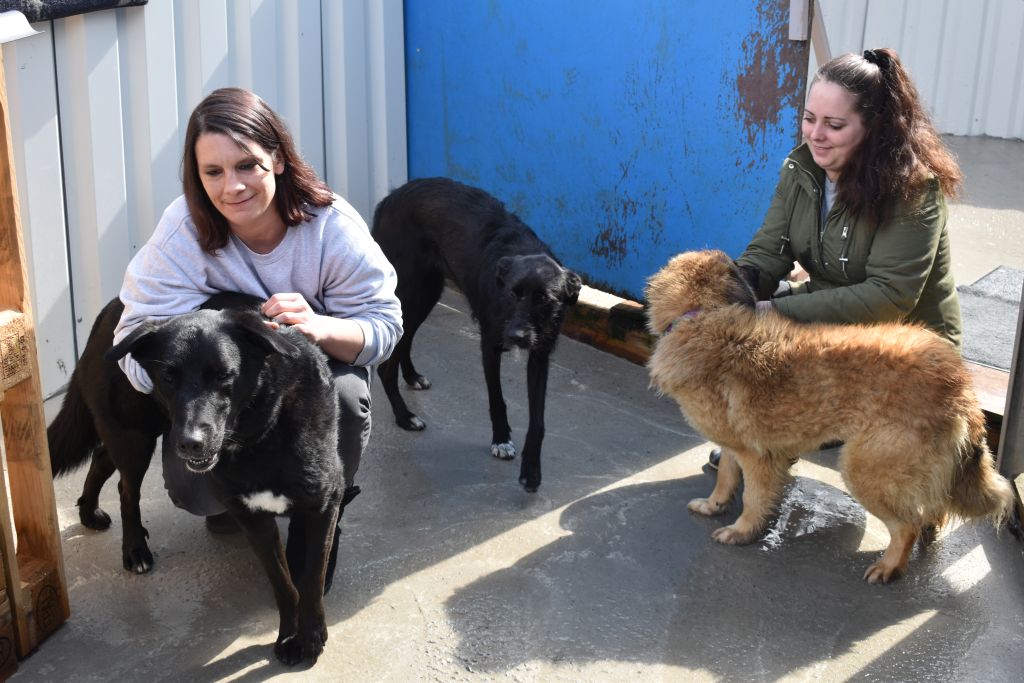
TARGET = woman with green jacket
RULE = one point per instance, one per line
(861, 206)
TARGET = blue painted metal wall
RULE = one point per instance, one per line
(621, 131)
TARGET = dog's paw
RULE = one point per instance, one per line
(95, 519)
(704, 506)
(880, 572)
(138, 560)
(288, 650)
(412, 424)
(503, 451)
(418, 383)
(730, 535)
(529, 484)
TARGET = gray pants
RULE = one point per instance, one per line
(194, 492)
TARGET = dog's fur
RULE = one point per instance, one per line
(768, 389)
(250, 407)
(435, 228)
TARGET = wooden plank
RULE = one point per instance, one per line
(24, 424)
(990, 385)
(8, 652)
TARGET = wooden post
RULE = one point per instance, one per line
(36, 586)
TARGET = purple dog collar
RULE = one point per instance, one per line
(692, 313)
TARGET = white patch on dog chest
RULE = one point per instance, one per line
(265, 501)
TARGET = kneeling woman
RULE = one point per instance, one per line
(255, 218)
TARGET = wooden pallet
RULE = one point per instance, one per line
(34, 598)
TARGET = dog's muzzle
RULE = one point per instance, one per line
(201, 465)
(197, 456)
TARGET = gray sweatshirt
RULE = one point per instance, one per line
(331, 260)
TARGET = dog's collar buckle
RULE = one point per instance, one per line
(692, 313)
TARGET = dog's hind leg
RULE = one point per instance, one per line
(89, 511)
(416, 306)
(882, 476)
(420, 302)
(537, 386)
(729, 477)
(501, 433)
(764, 477)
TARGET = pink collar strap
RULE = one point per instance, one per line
(692, 313)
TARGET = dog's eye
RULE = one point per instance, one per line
(168, 374)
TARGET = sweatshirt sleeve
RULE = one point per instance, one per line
(362, 288)
(163, 279)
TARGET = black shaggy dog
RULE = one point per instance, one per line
(436, 228)
(250, 407)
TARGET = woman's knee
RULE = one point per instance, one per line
(352, 386)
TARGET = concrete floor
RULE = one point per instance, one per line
(451, 572)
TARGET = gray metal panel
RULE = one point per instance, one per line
(99, 104)
(966, 56)
(1011, 439)
(28, 70)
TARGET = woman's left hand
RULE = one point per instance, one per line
(291, 308)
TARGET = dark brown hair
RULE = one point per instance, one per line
(243, 116)
(900, 150)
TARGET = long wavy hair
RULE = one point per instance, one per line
(245, 118)
(900, 151)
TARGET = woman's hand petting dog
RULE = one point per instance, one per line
(291, 308)
(338, 337)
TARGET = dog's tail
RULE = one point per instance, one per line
(978, 488)
(72, 434)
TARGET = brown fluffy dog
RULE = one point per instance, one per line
(768, 389)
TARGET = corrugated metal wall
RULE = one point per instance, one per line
(99, 103)
(966, 56)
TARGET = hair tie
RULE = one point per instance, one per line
(878, 58)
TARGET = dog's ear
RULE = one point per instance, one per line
(136, 341)
(571, 287)
(501, 269)
(261, 334)
(740, 290)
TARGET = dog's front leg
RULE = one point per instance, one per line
(501, 434)
(320, 530)
(261, 532)
(729, 478)
(132, 461)
(763, 480)
(536, 387)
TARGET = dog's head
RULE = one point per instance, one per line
(535, 291)
(206, 369)
(691, 282)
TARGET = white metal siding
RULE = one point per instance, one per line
(99, 103)
(966, 56)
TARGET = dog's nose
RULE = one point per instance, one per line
(190, 444)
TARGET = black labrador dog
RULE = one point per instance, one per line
(250, 407)
(436, 228)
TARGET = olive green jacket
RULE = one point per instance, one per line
(899, 270)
